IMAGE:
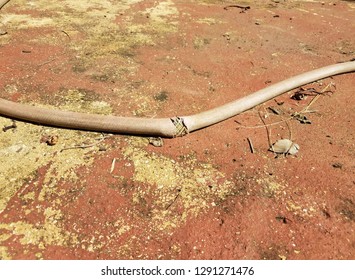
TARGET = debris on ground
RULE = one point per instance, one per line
(285, 146)
(301, 118)
(156, 141)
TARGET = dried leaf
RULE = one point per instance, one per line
(285, 146)
(302, 93)
(301, 118)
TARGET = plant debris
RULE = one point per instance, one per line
(84, 146)
(275, 110)
(282, 219)
(285, 146)
(12, 126)
(251, 146)
(301, 118)
(50, 140)
(243, 8)
(337, 165)
(113, 165)
(302, 93)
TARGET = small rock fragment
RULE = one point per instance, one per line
(156, 141)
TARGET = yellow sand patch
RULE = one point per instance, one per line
(271, 188)
(4, 255)
(48, 233)
(192, 185)
(22, 154)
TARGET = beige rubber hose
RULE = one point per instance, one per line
(3, 3)
(166, 127)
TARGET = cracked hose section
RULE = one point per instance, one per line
(180, 127)
(165, 127)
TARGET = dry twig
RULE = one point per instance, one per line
(251, 145)
(87, 145)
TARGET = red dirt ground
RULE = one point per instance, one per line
(202, 196)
